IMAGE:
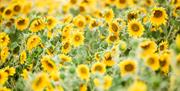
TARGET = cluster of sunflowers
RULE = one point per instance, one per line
(89, 45)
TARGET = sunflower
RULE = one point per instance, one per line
(178, 41)
(148, 2)
(93, 24)
(79, 21)
(158, 16)
(51, 22)
(109, 15)
(23, 57)
(4, 54)
(132, 16)
(127, 67)
(135, 28)
(2, 8)
(138, 86)
(8, 13)
(4, 39)
(37, 25)
(17, 8)
(10, 70)
(163, 46)
(26, 7)
(164, 62)
(114, 27)
(66, 47)
(22, 23)
(4, 89)
(77, 39)
(24, 74)
(99, 68)
(48, 64)
(107, 82)
(147, 47)
(33, 41)
(112, 38)
(40, 82)
(152, 61)
(121, 4)
(65, 58)
(112, 2)
(54, 76)
(176, 10)
(83, 87)
(3, 77)
(83, 71)
(108, 59)
(97, 56)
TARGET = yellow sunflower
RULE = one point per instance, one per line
(178, 41)
(79, 21)
(147, 47)
(4, 39)
(77, 39)
(51, 22)
(93, 24)
(25, 74)
(109, 15)
(112, 38)
(138, 86)
(4, 89)
(23, 57)
(97, 56)
(33, 41)
(40, 82)
(152, 61)
(108, 59)
(149, 2)
(17, 8)
(121, 4)
(114, 27)
(37, 25)
(22, 23)
(98, 68)
(65, 58)
(135, 28)
(3, 77)
(83, 71)
(4, 54)
(176, 10)
(66, 47)
(10, 70)
(158, 16)
(164, 62)
(107, 83)
(8, 13)
(48, 64)
(132, 16)
(127, 67)
(163, 46)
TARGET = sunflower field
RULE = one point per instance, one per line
(89, 45)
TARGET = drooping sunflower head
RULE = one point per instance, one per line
(163, 46)
(176, 10)
(66, 47)
(98, 68)
(22, 23)
(77, 39)
(83, 71)
(135, 28)
(164, 62)
(158, 16)
(114, 27)
(4, 54)
(4, 39)
(152, 61)
(33, 41)
(127, 67)
(132, 16)
(112, 38)
(93, 23)
(108, 59)
(37, 25)
(108, 15)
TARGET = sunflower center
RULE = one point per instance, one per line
(158, 13)
(114, 27)
(177, 9)
(162, 63)
(73, 1)
(8, 12)
(113, 38)
(129, 67)
(7, 71)
(21, 22)
(94, 24)
(122, 1)
(2, 9)
(81, 9)
(80, 23)
(135, 27)
(83, 70)
(148, 1)
(151, 61)
(66, 45)
(77, 38)
(39, 81)
(108, 57)
(132, 16)
(145, 46)
(162, 47)
(98, 68)
(17, 8)
(50, 22)
(49, 64)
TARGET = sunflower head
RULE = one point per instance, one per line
(77, 39)
(152, 62)
(158, 16)
(22, 23)
(48, 64)
(164, 62)
(4, 39)
(135, 28)
(83, 71)
(98, 68)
